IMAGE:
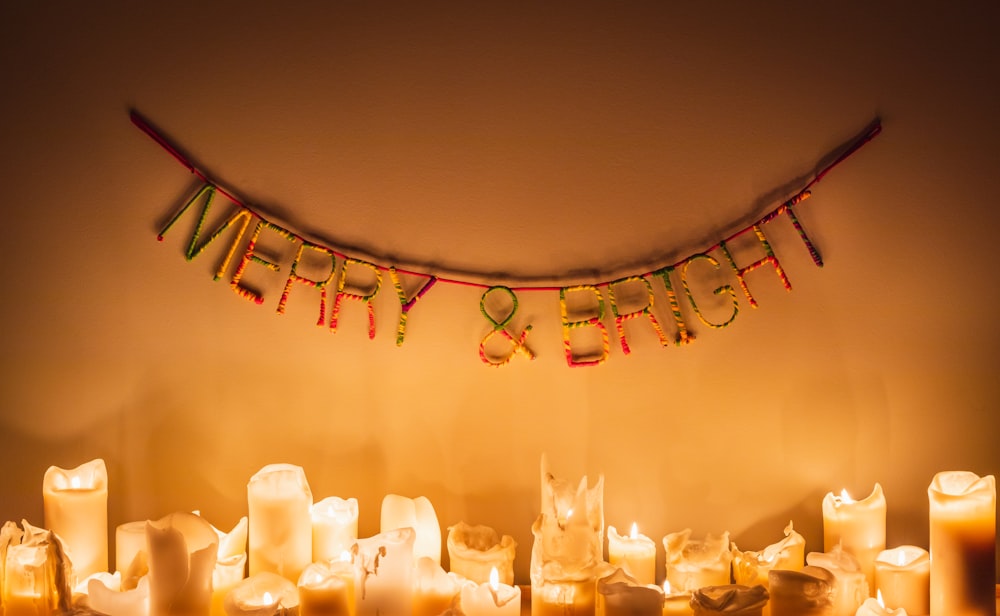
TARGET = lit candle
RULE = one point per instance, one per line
(35, 574)
(334, 527)
(676, 603)
(808, 592)
(692, 564)
(434, 589)
(385, 573)
(182, 550)
(418, 514)
(636, 554)
(474, 551)
(902, 577)
(119, 602)
(327, 589)
(875, 607)
(230, 565)
(620, 594)
(859, 526)
(130, 552)
(729, 600)
(262, 594)
(963, 544)
(850, 587)
(280, 533)
(76, 509)
(490, 599)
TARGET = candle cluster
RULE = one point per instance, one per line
(295, 556)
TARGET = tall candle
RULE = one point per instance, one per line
(902, 576)
(182, 549)
(859, 526)
(418, 514)
(327, 589)
(474, 551)
(850, 587)
(280, 533)
(808, 592)
(492, 598)
(963, 544)
(262, 594)
(621, 594)
(729, 600)
(692, 564)
(76, 509)
(635, 553)
(385, 573)
(334, 527)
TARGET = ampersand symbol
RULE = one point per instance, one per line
(500, 327)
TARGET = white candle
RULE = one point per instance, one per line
(473, 551)
(621, 594)
(119, 602)
(490, 599)
(385, 573)
(334, 527)
(182, 549)
(874, 607)
(418, 514)
(230, 565)
(327, 589)
(635, 553)
(850, 587)
(262, 594)
(280, 533)
(676, 603)
(130, 552)
(76, 509)
(751, 568)
(729, 600)
(692, 564)
(35, 571)
(808, 592)
(963, 544)
(902, 577)
(859, 526)
(434, 589)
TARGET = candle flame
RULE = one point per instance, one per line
(494, 579)
(74, 482)
(635, 531)
(569, 513)
(878, 597)
(845, 497)
(267, 598)
(345, 557)
(666, 587)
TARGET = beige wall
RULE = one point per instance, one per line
(518, 139)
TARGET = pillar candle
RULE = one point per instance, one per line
(119, 602)
(35, 575)
(230, 565)
(872, 607)
(751, 568)
(474, 551)
(492, 598)
(334, 527)
(327, 589)
(850, 587)
(963, 544)
(902, 576)
(76, 509)
(676, 603)
(280, 532)
(385, 573)
(262, 594)
(621, 594)
(182, 550)
(635, 553)
(692, 564)
(857, 525)
(418, 514)
(808, 592)
(434, 589)
(130, 552)
(729, 600)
